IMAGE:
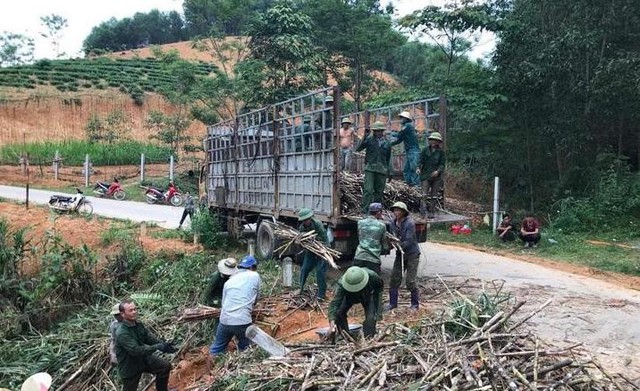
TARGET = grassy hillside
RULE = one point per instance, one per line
(129, 76)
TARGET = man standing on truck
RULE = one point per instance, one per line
(312, 261)
(376, 164)
(347, 139)
(431, 169)
(371, 233)
(407, 134)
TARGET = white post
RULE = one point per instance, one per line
(86, 170)
(141, 167)
(265, 341)
(56, 165)
(496, 203)
(171, 168)
(251, 246)
(287, 271)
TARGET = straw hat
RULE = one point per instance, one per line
(228, 266)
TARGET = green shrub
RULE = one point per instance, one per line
(205, 225)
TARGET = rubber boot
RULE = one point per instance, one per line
(415, 300)
(393, 299)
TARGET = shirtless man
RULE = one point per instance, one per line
(347, 139)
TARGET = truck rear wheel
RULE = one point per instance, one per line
(265, 240)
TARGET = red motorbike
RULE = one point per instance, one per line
(113, 190)
(155, 195)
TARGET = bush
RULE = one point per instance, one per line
(205, 225)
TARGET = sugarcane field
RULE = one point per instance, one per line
(320, 195)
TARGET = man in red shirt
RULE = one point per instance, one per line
(530, 231)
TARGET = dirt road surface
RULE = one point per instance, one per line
(602, 316)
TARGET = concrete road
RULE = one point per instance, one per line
(163, 215)
(601, 315)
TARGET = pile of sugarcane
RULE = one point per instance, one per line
(306, 240)
(350, 187)
(426, 356)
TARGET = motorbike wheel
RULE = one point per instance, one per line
(150, 200)
(176, 200)
(85, 210)
(119, 195)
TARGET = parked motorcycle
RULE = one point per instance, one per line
(76, 204)
(171, 196)
(101, 189)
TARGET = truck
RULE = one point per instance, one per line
(265, 165)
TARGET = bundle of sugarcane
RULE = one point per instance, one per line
(203, 312)
(306, 240)
(350, 190)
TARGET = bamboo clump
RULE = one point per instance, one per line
(306, 240)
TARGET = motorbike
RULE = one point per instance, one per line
(77, 204)
(101, 190)
(171, 196)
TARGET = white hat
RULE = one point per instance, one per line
(406, 114)
(228, 266)
(39, 382)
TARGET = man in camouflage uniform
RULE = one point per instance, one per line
(312, 261)
(376, 164)
(371, 233)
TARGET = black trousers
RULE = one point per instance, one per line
(185, 213)
(369, 325)
(154, 365)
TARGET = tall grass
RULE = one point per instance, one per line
(73, 152)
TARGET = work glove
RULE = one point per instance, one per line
(170, 348)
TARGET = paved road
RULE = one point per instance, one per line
(601, 315)
(163, 215)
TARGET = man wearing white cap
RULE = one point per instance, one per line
(357, 285)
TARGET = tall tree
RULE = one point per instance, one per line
(54, 25)
(360, 32)
(225, 17)
(571, 71)
(283, 55)
(15, 49)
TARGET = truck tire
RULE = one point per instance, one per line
(265, 240)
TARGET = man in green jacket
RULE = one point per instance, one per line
(357, 285)
(213, 293)
(312, 261)
(431, 169)
(135, 346)
(372, 241)
(376, 164)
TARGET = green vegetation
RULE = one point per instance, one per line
(73, 152)
(133, 77)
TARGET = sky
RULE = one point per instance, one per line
(23, 16)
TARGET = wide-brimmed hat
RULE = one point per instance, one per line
(228, 266)
(400, 205)
(346, 120)
(435, 136)
(378, 125)
(305, 213)
(354, 279)
(329, 98)
(115, 310)
(406, 114)
(39, 382)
